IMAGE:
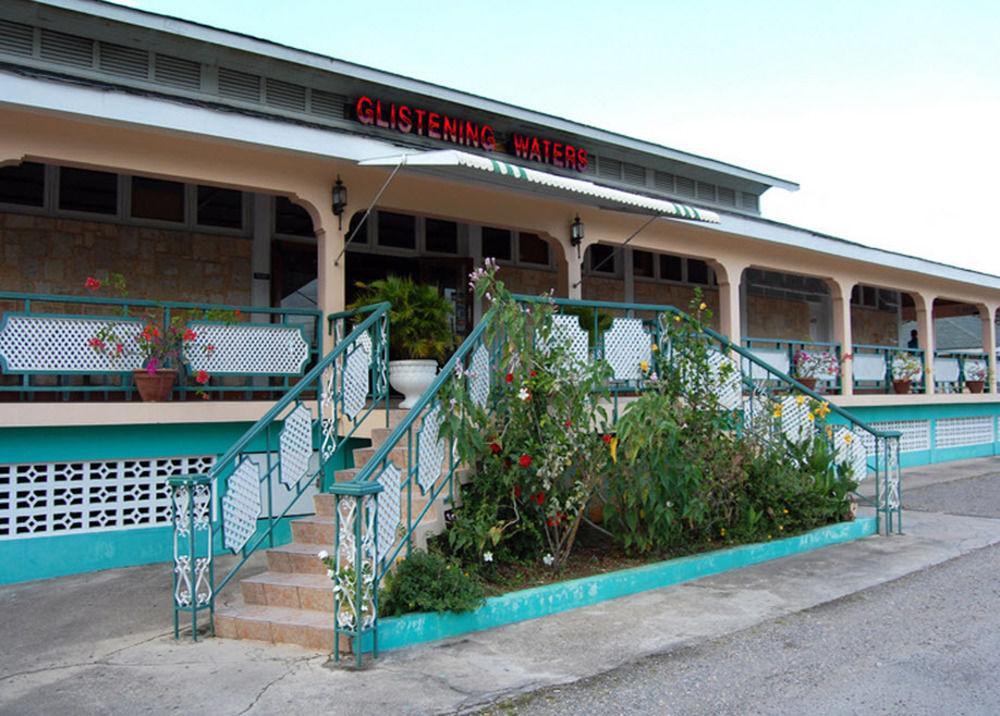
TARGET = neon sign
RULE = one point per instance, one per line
(408, 119)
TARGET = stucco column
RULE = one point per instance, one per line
(925, 334)
(574, 268)
(987, 312)
(840, 295)
(331, 287)
(729, 276)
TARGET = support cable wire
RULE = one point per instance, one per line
(368, 211)
(621, 246)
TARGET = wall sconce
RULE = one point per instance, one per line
(576, 234)
(339, 201)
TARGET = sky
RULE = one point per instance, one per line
(886, 113)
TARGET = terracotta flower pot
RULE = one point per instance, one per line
(976, 386)
(808, 382)
(901, 386)
(155, 387)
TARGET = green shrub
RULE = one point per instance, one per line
(427, 582)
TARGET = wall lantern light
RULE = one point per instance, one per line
(576, 234)
(339, 201)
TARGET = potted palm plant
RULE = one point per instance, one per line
(420, 332)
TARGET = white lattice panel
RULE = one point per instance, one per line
(389, 511)
(946, 370)
(295, 445)
(58, 344)
(566, 331)
(850, 448)
(241, 505)
(758, 414)
(431, 448)
(868, 366)
(795, 422)
(727, 380)
(357, 375)
(956, 432)
(479, 376)
(916, 434)
(38, 499)
(626, 344)
(247, 348)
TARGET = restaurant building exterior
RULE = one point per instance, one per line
(219, 172)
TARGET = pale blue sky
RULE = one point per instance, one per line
(887, 113)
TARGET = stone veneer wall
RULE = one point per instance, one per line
(781, 318)
(43, 254)
(874, 327)
(533, 281)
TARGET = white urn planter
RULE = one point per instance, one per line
(411, 378)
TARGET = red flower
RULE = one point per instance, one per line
(495, 448)
(92, 284)
(606, 438)
(189, 335)
(509, 378)
(201, 377)
(517, 491)
(538, 497)
(119, 349)
(534, 373)
(237, 313)
(568, 424)
(209, 348)
(151, 332)
(555, 520)
(96, 343)
(525, 461)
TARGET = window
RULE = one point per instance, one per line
(697, 272)
(643, 264)
(291, 219)
(89, 191)
(441, 236)
(496, 244)
(532, 249)
(671, 268)
(357, 230)
(220, 207)
(23, 184)
(157, 199)
(397, 231)
(602, 258)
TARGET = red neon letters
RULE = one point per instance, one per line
(427, 123)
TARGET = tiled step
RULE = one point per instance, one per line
(290, 590)
(324, 504)
(314, 530)
(399, 455)
(279, 625)
(297, 557)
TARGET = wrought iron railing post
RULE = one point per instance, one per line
(355, 556)
(194, 573)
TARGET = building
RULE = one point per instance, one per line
(201, 164)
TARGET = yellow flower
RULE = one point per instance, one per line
(848, 438)
(829, 431)
(810, 416)
(677, 319)
(643, 366)
(614, 449)
(785, 510)
(723, 532)
(769, 537)
(800, 399)
(654, 348)
(703, 306)
(777, 411)
(823, 410)
(781, 527)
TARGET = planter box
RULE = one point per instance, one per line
(411, 629)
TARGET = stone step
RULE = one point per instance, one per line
(299, 557)
(325, 504)
(346, 474)
(307, 628)
(399, 455)
(290, 590)
(314, 530)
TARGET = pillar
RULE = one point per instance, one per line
(729, 277)
(260, 258)
(840, 295)
(987, 312)
(574, 268)
(925, 335)
(331, 291)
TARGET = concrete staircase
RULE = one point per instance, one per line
(292, 602)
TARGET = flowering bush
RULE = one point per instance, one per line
(817, 365)
(537, 450)
(906, 366)
(976, 371)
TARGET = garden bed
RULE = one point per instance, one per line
(539, 601)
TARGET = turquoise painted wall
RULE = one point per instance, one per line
(56, 555)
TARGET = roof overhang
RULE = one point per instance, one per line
(453, 161)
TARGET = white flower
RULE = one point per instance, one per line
(523, 394)
(487, 556)
(329, 573)
(323, 554)
(548, 559)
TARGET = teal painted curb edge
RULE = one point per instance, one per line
(413, 629)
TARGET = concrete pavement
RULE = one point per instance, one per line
(100, 643)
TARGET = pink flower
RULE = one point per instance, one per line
(152, 365)
(92, 284)
(119, 349)
(96, 343)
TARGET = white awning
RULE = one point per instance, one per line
(456, 158)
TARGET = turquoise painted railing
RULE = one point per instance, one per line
(872, 367)
(290, 452)
(44, 351)
(781, 354)
(955, 370)
(381, 512)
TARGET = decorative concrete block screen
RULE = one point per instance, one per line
(65, 497)
(61, 344)
(957, 432)
(916, 434)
